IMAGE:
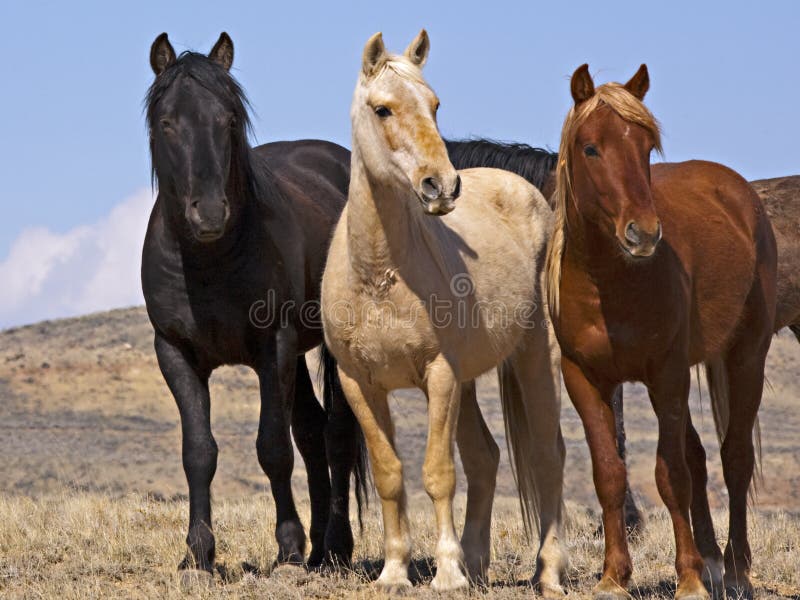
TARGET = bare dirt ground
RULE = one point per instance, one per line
(92, 493)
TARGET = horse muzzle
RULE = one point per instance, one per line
(208, 218)
(433, 198)
(639, 242)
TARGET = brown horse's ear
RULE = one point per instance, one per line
(162, 54)
(374, 52)
(639, 83)
(222, 52)
(417, 51)
(581, 85)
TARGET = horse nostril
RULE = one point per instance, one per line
(431, 188)
(195, 204)
(632, 234)
(657, 237)
(457, 189)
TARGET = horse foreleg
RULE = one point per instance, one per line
(274, 445)
(439, 473)
(594, 407)
(371, 409)
(480, 457)
(669, 395)
(702, 525)
(308, 431)
(189, 386)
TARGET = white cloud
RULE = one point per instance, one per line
(89, 268)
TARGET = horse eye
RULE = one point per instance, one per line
(382, 112)
(165, 123)
(590, 150)
(232, 123)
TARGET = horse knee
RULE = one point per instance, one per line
(200, 458)
(439, 480)
(276, 459)
(389, 479)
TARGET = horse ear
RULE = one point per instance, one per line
(374, 52)
(222, 52)
(417, 51)
(639, 83)
(581, 85)
(162, 54)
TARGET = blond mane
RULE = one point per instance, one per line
(631, 109)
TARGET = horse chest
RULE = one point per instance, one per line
(613, 333)
(386, 337)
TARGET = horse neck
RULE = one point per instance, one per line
(589, 248)
(384, 232)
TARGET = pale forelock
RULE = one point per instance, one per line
(401, 66)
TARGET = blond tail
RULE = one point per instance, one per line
(519, 440)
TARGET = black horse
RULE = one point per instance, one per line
(538, 166)
(231, 271)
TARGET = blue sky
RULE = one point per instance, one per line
(724, 84)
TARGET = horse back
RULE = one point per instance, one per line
(781, 197)
(717, 226)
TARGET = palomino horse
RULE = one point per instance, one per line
(236, 236)
(652, 270)
(415, 295)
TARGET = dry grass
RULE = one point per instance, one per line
(92, 493)
(86, 545)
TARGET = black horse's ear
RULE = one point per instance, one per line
(222, 52)
(162, 54)
(374, 52)
(639, 83)
(417, 51)
(581, 85)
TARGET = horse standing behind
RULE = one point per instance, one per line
(652, 270)
(236, 229)
(415, 295)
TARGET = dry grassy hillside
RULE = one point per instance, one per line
(92, 490)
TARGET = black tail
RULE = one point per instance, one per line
(331, 387)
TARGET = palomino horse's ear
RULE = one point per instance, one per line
(374, 52)
(162, 54)
(222, 52)
(639, 83)
(417, 51)
(581, 85)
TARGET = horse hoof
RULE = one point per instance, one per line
(195, 580)
(607, 589)
(449, 582)
(290, 574)
(739, 591)
(694, 590)
(551, 592)
(394, 588)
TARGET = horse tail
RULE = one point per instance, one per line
(519, 440)
(332, 389)
(719, 390)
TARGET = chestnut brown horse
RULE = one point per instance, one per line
(650, 271)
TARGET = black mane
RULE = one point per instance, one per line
(534, 164)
